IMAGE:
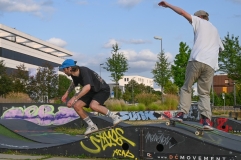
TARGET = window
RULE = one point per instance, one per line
(226, 81)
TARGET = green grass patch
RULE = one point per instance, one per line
(70, 131)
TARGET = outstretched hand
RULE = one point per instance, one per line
(163, 4)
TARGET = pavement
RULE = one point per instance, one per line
(30, 157)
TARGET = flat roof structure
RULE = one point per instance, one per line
(21, 38)
(18, 48)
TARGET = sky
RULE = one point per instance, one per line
(89, 28)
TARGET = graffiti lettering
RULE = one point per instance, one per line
(43, 115)
(101, 141)
(159, 138)
(141, 115)
(221, 124)
(123, 153)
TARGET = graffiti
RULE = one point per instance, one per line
(221, 124)
(160, 138)
(43, 115)
(110, 138)
(140, 115)
(123, 153)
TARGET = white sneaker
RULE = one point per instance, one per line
(91, 129)
(116, 119)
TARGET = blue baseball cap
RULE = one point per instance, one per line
(67, 63)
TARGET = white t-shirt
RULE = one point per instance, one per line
(206, 43)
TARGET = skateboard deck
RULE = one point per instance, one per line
(99, 130)
(199, 130)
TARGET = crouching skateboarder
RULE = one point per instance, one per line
(94, 93)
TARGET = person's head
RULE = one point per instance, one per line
(202, 14)
(68, 66)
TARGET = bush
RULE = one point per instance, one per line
(141, 107)
(146, 98)
(16, 97)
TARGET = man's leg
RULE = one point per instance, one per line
(94, 105)
(204, 85)
(78, 106)
(192, 73)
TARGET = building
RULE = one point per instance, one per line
(17, 48)
(138, 79)
(222, 84)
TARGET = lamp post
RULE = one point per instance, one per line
(100, 68)
(132, 91)
(234, 92)
(159, 38)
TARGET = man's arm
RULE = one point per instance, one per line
(71, 88)
(177, 10)
(81, 93)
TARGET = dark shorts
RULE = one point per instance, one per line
(100, 97)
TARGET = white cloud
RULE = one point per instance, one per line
(128, 3)
(110, 43)
(135, 41)
(57, 42)
(27, 6)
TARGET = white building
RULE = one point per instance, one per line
(138, 79)
(17, 48)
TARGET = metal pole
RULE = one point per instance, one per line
(161, 45)
(100, 68)
(234, 92)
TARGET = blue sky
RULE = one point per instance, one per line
(88, 28)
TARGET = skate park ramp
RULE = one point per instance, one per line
(152, 141)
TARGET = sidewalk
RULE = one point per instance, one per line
(29, 157)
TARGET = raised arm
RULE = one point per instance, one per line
(177, 10)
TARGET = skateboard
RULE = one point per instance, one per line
(199, 130)
(99, 130)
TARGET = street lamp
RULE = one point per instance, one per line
(159, 38)
(132, 90)
(100, 68)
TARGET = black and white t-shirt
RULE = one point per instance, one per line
(88, 76)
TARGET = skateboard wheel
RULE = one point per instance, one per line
(168, 123)
(197, 133)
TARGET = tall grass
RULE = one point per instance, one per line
(16, 97)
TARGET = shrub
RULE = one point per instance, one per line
(141, 107)
(16, 97)
(146, 98)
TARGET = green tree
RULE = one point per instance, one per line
(131, 90)
(180, 63)
(20, 78)
(117, 65)
(171, 88)
(162, 71)
(5, 81)
(44, 85)
(230, 58)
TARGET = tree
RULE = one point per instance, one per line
(5, 80)
(117, 64)
(44, 85)
(162, 71)
(171, 88)
(230, 58)
(20, 78)
(180, 64)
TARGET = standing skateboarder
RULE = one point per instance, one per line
(94, 93)
(202, 63)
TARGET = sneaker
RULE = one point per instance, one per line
(91, 129)
(207, 124)
(178, 117)
(116, 119)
